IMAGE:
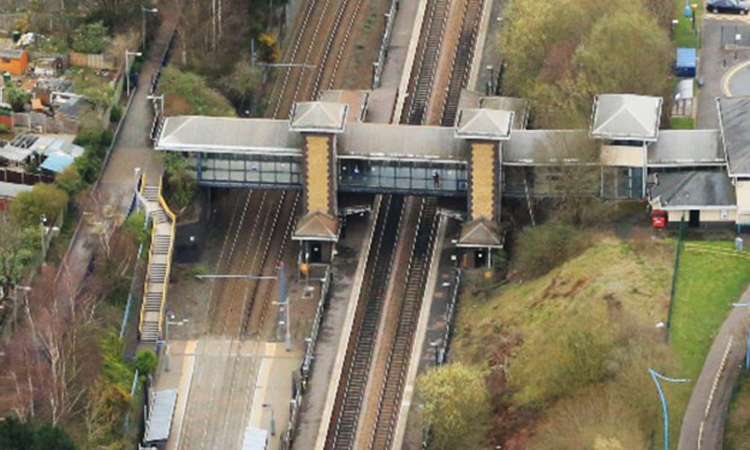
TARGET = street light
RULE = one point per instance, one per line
(145, 10)
(273, 420)
(656, 376)
(128, 54)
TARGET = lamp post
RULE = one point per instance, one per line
(273, 420)
(656, 376)
(145, 10)
(128, 54)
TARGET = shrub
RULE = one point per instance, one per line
(115, 114)
(90, 38)
(180, 180)
(146, 362)
(134, 228)
(16, 435)
(17, 97)
(549, 365)
(4, 128)
(43, 200)
(70, 180)
(457, 405)
(542, 248)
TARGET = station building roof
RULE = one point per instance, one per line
(626, 117)
(535, 147)
(321, 117)
(686, 148)
(693, 189)
(484, 124)
(519, 106)
(228, 135)
(391, 141)
(734, 117)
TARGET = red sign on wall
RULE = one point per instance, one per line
(659, 219)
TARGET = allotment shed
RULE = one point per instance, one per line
(13, 61)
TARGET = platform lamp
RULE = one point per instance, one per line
(145, 10)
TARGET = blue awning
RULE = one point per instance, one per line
(57, 162)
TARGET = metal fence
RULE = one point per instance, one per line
(377, 70)
(673, 291)
(299, 383)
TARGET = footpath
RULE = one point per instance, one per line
(131, 150)
(704, 419)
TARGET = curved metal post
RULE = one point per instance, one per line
(656, 376)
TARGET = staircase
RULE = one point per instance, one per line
(159, 264)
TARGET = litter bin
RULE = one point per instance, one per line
(738, 244)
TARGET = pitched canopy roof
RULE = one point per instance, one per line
(489, 124)
(317, 226)
(318, 117)
(626, 117)
(480, 233)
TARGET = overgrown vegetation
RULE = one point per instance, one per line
(188, 94)
(17, 435)
(542, 248)
(574, 343)
(90, 38)
(456, 406)
(181, 183)
(561, 53)
(44, 202)
(738, 424)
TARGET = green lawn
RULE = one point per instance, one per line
(711, 276)
(684, 36)
(681, 123)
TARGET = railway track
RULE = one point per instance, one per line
(461, 66)
(431, 39)
(313, 51)
(342, 433)
(389, 402)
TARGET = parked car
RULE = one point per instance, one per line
(728, 6)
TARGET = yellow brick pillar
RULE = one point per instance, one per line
(484, 181)
(320, 174)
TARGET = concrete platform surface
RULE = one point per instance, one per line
(222, 386)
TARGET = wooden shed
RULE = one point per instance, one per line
(14, 61)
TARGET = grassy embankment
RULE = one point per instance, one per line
(614, 285)
(187, 93)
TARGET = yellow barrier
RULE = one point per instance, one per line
(172, 218)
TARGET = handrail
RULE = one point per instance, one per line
(148, 271)
(172, 218)
(171, 215)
